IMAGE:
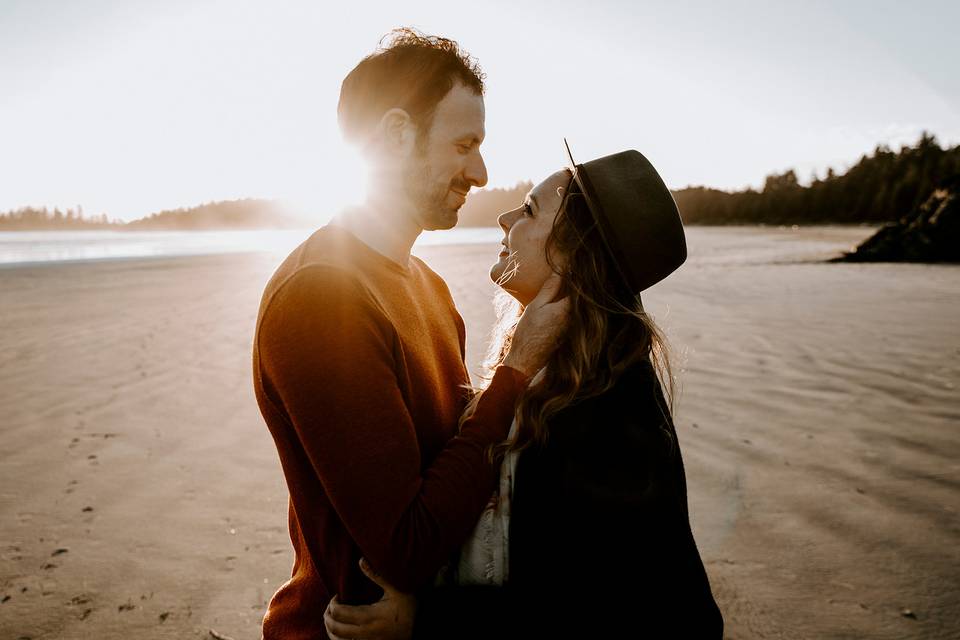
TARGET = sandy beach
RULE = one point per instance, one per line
(141, 494)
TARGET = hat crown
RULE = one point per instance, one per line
(637, 216)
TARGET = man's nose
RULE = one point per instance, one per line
(476, 172)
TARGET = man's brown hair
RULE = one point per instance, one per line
(410, 71)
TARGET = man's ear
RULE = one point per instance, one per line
(397, 131)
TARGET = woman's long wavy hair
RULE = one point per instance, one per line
(607, 329)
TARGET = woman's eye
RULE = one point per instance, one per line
(527, 211)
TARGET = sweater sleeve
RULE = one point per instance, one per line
(328, 353)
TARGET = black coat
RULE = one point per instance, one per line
(600, 539)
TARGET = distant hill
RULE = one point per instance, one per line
(249, 213)
(482, 207)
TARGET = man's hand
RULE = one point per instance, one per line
(540, 325)
(390, 618)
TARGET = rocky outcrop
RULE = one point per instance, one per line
(929, 234)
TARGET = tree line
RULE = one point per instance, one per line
(43, 219)
(248, 213)
(881, 187)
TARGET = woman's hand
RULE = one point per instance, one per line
(390, 618)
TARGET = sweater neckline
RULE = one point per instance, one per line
(371, 253)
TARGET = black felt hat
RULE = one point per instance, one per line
(636, 215)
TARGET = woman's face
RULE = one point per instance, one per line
(522, 265)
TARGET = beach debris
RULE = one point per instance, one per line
(163, 616)
(86, 614)
(218, 636)
(5, 597)
(49, 566)
(907, 613)
(87, 509)
(859, 490)
(81, 599)
(59, 551)
(127, 606)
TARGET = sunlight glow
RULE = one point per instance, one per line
(337, 180)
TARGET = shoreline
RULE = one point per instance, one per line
(283, 240)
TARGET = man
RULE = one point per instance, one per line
(358, 354)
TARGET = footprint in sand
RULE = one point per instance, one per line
(79, 601)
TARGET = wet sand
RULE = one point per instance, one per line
(141, 496)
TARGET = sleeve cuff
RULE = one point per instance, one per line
(495, 409)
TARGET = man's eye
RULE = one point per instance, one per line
(464, 148)
(527, 210)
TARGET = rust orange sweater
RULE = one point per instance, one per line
(359, 373)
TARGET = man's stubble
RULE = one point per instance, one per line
(428, 195)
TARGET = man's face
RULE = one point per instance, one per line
(447, 160)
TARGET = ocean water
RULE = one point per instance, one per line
(31, 247)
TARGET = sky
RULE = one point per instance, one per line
(131, 107)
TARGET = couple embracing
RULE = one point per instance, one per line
(549, 504)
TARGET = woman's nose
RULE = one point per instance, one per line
(506, 219)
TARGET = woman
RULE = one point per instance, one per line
(588, 533)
